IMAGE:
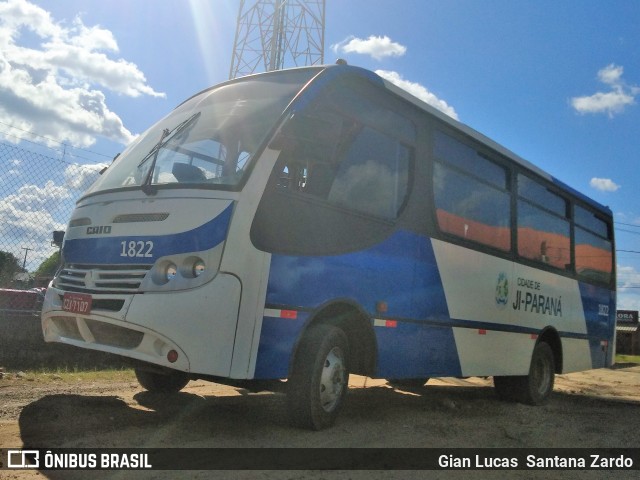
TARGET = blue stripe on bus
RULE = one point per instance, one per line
(277, 340)
(488, 326)
(412, 350)
(600, 323)
(401, 271)
(109, 250)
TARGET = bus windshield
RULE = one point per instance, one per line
(208, 141)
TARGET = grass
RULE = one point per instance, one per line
(627, 358)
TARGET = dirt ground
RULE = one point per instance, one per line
(600, 408)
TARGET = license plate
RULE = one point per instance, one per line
(77, 303)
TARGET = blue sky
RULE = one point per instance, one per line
(557, 82)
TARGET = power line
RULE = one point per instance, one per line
(49, 139)
(627, 224)
(627, 231)
(62, 160)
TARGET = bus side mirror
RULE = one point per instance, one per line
(58, 238)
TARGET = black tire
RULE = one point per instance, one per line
(534, 388)
(319, 378)
(171, 382)
(407, 382)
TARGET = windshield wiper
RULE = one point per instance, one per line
(167, 135)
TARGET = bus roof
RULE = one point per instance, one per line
(343, 69)
(492, 144)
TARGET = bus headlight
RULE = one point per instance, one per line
(170, 271)
(198, 268)
(182, 271)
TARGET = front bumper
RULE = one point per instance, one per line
(199, 324)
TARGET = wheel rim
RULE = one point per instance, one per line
(332, 379)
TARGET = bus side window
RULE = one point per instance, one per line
(367, 171)
(295, 174)
(342, 174)
(594, 248)
(544, 233)
(471, 194)
(373, 176)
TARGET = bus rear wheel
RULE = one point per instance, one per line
(171, 382)
(534, 388)
(319, 379)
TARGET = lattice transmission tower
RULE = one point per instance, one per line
(274, 34)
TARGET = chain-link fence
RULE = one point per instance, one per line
(37, 196)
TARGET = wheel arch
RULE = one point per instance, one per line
(357, 326)
(551, 336)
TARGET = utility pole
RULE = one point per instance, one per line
(276, 34)
(26, 251)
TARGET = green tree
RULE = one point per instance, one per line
(49, 266)
(9, 266)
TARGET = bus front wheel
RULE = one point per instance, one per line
(534, 388)
(171, 382)
(319, 379)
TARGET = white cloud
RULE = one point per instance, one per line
(610, 102)
(26, 213)
(611, 74)
(26, 220)
(80, 177)
(376, 47)
(56, 88)
(419, 91)
(604, 184)
(31, 211)
(15, 171)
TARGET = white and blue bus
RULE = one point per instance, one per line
(310, 223)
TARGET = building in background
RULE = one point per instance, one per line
(627, 332)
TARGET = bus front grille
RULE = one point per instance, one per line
(101, 278)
